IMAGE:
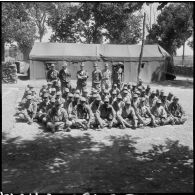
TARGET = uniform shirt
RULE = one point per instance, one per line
(159, 112)
(152, 101)
(82, 77)
(176, 109)
(72, 110)
(57, 115)
(96, 76)
(144, 111)
(66, 104)
(118, 106)
(83, 112)
(52, 75)
(128, 112)
(112, 100)
(106, 74)
(31, 109)
(95, 106)
(64, 76)
(165, 104)
(107, 112)
(43, 107)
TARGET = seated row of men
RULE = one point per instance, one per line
(132, 107)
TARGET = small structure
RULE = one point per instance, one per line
(154, 64)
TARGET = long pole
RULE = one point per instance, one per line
(142, 46)
(183, 54)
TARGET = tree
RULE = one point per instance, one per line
(39, 12)
(174, 26)
(17, 26)
(90, 22)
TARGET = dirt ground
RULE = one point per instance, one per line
(111, 160)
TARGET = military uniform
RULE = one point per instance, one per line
(64, 76)
(52, 75)
(177, 112)
(96, 79)
(106, 79)
(29, 110)
(57, 119)
(81, 80)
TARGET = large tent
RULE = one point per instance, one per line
(153, 68)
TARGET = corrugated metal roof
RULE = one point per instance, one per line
(84, 52)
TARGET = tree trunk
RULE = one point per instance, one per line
(183, 53)
(141, 53)
(2, 50)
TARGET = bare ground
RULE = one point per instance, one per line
(143, 160)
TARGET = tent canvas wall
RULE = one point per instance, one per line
(153, 58)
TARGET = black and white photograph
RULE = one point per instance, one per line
(97, 97)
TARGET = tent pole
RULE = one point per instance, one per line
(142, 46)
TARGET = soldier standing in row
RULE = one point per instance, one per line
(64, 76)
(82, 77)
(96, 78)
(106, 78)
(52, 74)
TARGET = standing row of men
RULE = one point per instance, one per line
(100, 79)
(132, 106)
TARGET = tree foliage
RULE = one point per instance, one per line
(90, 22)
(174, 26)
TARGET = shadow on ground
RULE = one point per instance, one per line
(183, 84)
(77, 164)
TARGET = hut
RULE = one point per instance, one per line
(153, 67)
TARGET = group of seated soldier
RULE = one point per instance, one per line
(132, 106)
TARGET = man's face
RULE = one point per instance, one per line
(158, 105)
(134, 99)
(45, 99)
(82, 67)
(119, 100)
(106, 104)
(95, 67)
(52, 68)
(29, 101)
(106, 67)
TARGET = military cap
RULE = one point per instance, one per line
(120, 63)
(33, 90)
(77, 95)
(98, 97)
(95, 65)
(30, 86)
(28, 97)
(83, 99)
(133, 85)
(52, 100)
(140, 80)
(119, 96)
(142, 99)
(77, 91)
(164, 95)
(96, 82)
(85, 90)
(114, 92)
(162, 91)
(70, 95)
(139, 87)
(29, 92)
(128, 102)
(94, 95)
(175, 98)
(44, 90)
(135, 96)
(148, 87)
(53, 89)
(115, 84)
(106, 99)
(125, 91)
(106, 91)
(49, 83)
(58, 102)
(52, 65)
(66, 90)
(125, 84)
(153, 92)
(158, 101)
(106, 64)
(82, 64)
(137, 92)
(59, 93)
(12, 65)
(125, 88)
(64, 64)
(46, 95)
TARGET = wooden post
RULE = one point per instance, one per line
(183, 54)
(142, 46)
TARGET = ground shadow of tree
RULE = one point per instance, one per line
(77, 164)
